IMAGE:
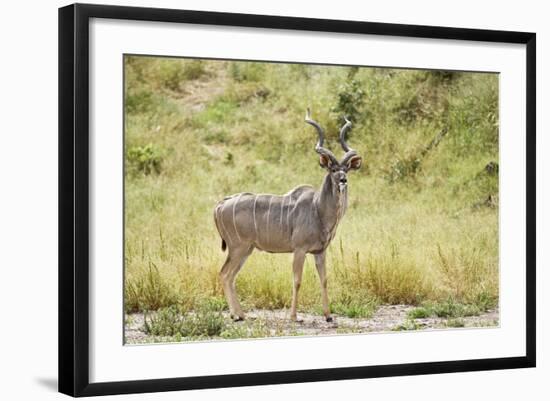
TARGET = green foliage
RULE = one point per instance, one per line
(170, 322)
(425, 97)
(455, 323)
(453, 309)
(144, 159)
(194, 69)
(351, 98)
(484, 186)
(141, 101)
(442, 76)
(447, 309)
(215, 113)
(402, 168)
(247, 71)
(409, 166)
(250, 329)
(172, 73)
(407, 325)
(355, 309)
(420, 313)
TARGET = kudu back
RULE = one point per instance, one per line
(302, 221)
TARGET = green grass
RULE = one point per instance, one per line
(407, 325)
(197, 131)
(447, 309)
(456, 323)
(204, 322)
(355, 309)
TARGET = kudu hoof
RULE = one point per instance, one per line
(329, 319)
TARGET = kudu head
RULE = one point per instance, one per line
(337, 170)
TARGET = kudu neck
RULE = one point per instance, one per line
(331, 203)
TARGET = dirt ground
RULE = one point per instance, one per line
(277, 323)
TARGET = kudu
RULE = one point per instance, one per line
(302, 221)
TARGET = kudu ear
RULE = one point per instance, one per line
(324, 161)
(354, 163)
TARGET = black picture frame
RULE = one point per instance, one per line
(74, 198)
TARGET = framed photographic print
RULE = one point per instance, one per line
(249, 199)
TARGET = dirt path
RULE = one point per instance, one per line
(277, 323)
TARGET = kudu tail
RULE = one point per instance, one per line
(224, 244)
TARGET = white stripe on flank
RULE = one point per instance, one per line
(288, 216)
(235, 224)
(254, 216)
(267, 224)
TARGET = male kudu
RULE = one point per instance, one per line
(302, 221)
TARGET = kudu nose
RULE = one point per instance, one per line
(343, 180)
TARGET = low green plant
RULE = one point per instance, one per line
(420, 313)
(452, 309)
(170, 322)
(455, 323)
(249, 329)
(404, 167)
(350, 100)
(446, 309)
(247, 71)
(194, 69)
(172, 74)
(144, 159)
(407, 325)
(140, 101)
(354, 309)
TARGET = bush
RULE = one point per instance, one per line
(139, 102)
(403, 168)
(170, 322)
(247, 71)
(172, 74)
(144, 159)
(447, 309)
(351, 98)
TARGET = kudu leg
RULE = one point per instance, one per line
(321, 269)
(297, 269)
(228, 274)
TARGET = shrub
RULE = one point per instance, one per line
(172, 74)
(354, 309)
(141, 101)
(170, 322)
(247, 71)
(351, 98)
(144, 159)
(447, 309)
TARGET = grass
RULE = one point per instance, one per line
(446, 309)
(455, 323)
(170, 322)
(420, 233)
